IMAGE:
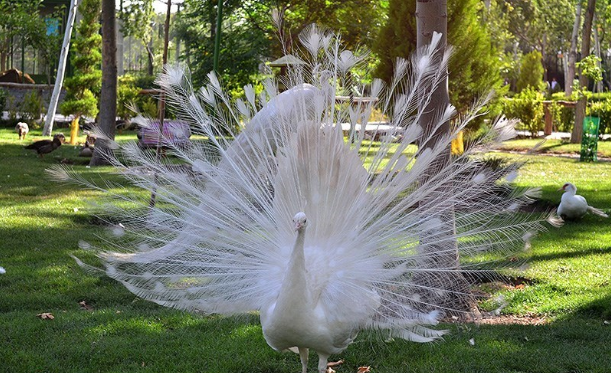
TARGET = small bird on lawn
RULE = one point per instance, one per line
(22, 129)
(574, 206)
(88, 147)
(47, 146)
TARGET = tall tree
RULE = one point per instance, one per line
(244, 43)
(580, 108)
(603, 26)
(542, 25)
(357, 21)
(20, 25)
(82, 88)
(108, 94)
(137, 21)
(250, 36)
(570, 71)
(16, 20)
(531, 72)
(432, 17)
(474, 67)
(518, 27)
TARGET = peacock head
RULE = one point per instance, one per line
(60, 137)
(300, 220)
(568, 187)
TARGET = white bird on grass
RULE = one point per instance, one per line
(220, 239)
(22, 130)
(573, 206)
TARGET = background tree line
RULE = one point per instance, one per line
(509, 46)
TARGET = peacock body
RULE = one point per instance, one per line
(228, 232)
(573, 206)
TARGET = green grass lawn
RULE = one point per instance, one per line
(41, 223)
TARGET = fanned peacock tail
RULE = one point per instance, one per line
(219, 236)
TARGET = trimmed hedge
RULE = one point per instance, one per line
(527, 107)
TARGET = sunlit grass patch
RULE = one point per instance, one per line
(562, 278)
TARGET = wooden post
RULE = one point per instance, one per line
(549, 120)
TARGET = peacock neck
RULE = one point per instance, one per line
(294, 291)
(569, 194)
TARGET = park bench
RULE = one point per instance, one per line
(175, 133)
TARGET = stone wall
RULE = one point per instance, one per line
(19, 91)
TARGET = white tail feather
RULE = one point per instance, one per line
(220, 237)
(598, 212)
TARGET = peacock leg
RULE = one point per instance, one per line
(322, 363)
(303, 355)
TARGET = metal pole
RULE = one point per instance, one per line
(59, 78)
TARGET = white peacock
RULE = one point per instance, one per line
(229, 234)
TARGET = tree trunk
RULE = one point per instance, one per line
(151, 57)
(543, 44)
(166, 33)
(599, 85)
(59, 78)
(108, 94)
(432, 17)
(570, 72)
(212, 20)
(164, 61)
(176, 37)
(120, 50)
(3, 53)
(217, 37)
(580, 108)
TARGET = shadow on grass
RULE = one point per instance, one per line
(570, 254)
(550, 146)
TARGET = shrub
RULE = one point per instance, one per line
(563, 117)
(148, 106)
(145, 81)
(601, 109)
(31, 107)
(3, 96)
(531, 72)
(11, 107)
(526, 106)
(127, 96)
